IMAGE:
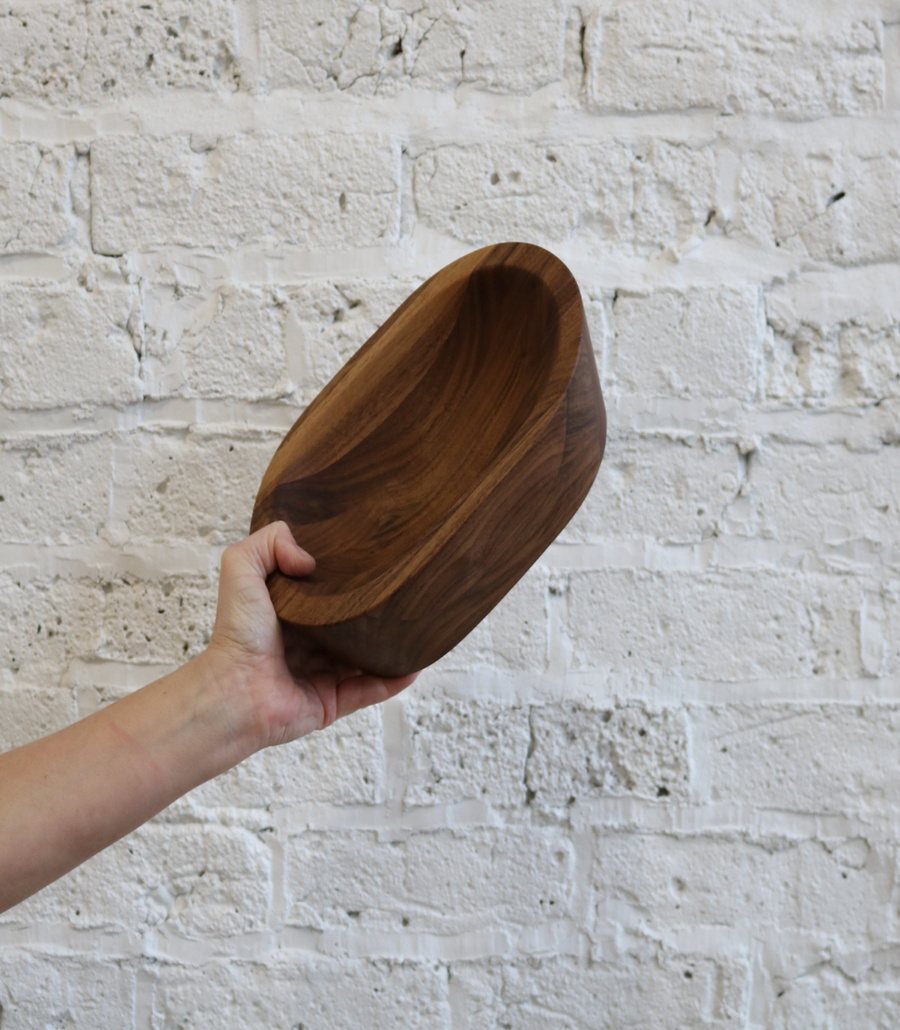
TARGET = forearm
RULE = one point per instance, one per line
(69, 795)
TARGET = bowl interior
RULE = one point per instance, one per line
(364, 512)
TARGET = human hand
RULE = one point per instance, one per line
(275, 677)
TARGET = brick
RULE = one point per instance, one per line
(798, 757)
(365, 49)
(517, 54)
(162, 621)
(519, 875)
(67, 347)
(676, 490)
(55, 488)
(835, 337)
(52, 990)
(443, 882)
(513, 637)
(463, 750)
(754, 624)
(59, 53)
(376, 49)
(34, 195)
(848, 987)
(699, 342)
(655, 884)
(809, 496)
(832, 202)
(213, 881)
(32, 712)
(206, 881)
(345, 879)
(653, 993)
(190, 486)
(47, 623)
(578, 753)
(311, 191)
(227, 343)
(42, 47)
(801, 61)
(637, 197)
(327, 322)
(303, 991)
(159, 46)
(343, 765)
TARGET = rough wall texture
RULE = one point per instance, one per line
(658, 787)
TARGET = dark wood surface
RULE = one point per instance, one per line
(440, 462)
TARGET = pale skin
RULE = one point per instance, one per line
(67, 796)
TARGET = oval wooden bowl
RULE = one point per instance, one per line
(440, 462)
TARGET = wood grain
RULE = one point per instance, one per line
(440, 462)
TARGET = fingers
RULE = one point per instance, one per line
(270, 548)
(291, 558)
(362, 690)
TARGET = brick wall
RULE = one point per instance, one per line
(657, 788)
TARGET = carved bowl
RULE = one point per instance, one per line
(440, 462)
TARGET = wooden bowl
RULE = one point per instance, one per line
(440, 462)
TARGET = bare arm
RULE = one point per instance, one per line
(67, 796)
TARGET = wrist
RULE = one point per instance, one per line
(230, 704)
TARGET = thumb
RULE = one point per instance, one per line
(273, 547)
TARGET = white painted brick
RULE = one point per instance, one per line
(365, 49)
(516, 52)
(342, 766)
(521, 875)
(705, 343)
(579, 752)
(62, 53)
(856, 990)
(637, 197)
(166, 621)
(34, 195)
(442, 882)
(42, 48)
(327, 322)
(799, 758)
(46, 624)
(801, 60)
(227, 343)
(836, 337)
(810, 496)
(653, 993)
(377, 49)
(831, 201)
(246, 189)
(205, 880)
(30, 712)
(464, 750)
(67, 347)
(512, 637)
(724, 626)
(676, 490)
(52, 991)
(303, 991)
(55, 488)
(345, 879)
(196, 485)
(653, 884)
(161, 45)
(187, 880)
